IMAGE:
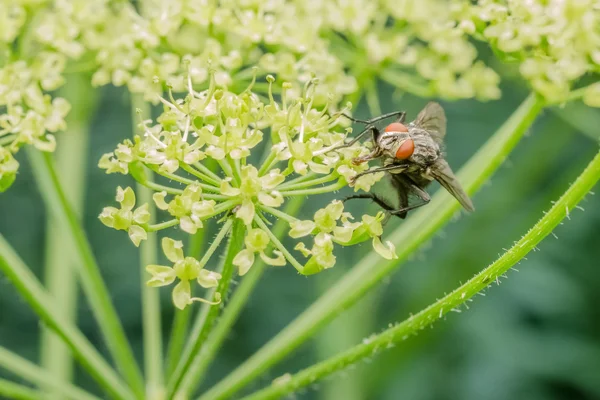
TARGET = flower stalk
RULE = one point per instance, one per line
(93, 285)
(417, 322)
(371, 269)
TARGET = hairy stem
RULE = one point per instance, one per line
(42, 377)
(43, 305)
(207, 316)
(236, 304)
(411, 326)
(182, 317)
(71, 160)
(89, 272)
(151, 323)
(319, 190)
(372, 269)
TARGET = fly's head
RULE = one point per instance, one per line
(400, 143)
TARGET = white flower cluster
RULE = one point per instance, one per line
(217, 126)
(556, 42)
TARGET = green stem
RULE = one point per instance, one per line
(278, 244)
(193, 171)
(278, 213)
(450, 302)
(89, 273)
(183, 180)
(41, 377)
(151, 322)
(299, 179)
(11, 390)
(71, 158)
(372, 269)
(182, 317)
(162, 225)
(298, 185)
(236, 304)
(178, 383)
(203, 168)
(266, 165)
(224, 164)
(159, 188)
(43, 305)
(320, 190)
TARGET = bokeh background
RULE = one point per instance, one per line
(535, 336)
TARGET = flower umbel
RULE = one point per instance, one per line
(227, 129)
(185, 269)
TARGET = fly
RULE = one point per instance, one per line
(411, 155)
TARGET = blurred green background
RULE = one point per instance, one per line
(535, 336)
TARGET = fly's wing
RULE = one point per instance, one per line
(432, 118)
(441, 171)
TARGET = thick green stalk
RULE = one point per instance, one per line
(71, 159)
(181, 320)
(208, 315)
(236, 304)
(400, 332)
(89, 272)
(43, 305)
(152, 329)
(418, 229)
(42, 378)
(11, 390)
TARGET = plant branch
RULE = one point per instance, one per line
(372, 269)
(43, 305)
(207, 316)
(148, 250)
(181, 320)
(12, 390)
(59, 278)
(91, 279)
(44, 378)
(450, 302)
(236, 304)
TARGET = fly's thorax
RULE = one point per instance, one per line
(415, 146)
(427, 150)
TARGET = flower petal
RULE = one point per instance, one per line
(126, 198)
(208, 279)
(161, 275)
(246, 212)
(187, 225)
(243, 260)
(137, 234)
(159, 200)
(182, 295)
(173, 249)
(274, 261)
(141, 215)
(301, 228)
(388, 252)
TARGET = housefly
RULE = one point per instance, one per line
(412, 156)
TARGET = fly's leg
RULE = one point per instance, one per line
(379, 200)
(400, 114)
(423, 195)
(356, 138)
(396, 168)
(370, 127)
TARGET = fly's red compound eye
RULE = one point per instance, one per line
(396, 127)
(405, 150)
